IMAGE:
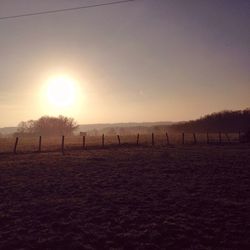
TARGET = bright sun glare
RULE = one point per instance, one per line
(62, 94)
(61, 91)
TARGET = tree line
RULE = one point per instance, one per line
(225, 121)
(47, 126)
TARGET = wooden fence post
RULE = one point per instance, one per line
(137, 139)
(195, 140)
(153, 139)
(183, 138)
(228, 138)
(40, 144)
(119, 140)
(220, 140)
(167, 138)
(63, 144)
(15, 146)
(103, 140)
(83, 142)
(207, 138)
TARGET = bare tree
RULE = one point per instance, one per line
(48, 125)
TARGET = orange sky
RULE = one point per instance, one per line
(140, 61)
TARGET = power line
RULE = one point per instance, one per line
(64, 10)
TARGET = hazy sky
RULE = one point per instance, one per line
(148, 60)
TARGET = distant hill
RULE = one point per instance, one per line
(101, 127)
(8, 130)
(225, 121)
(120, 128)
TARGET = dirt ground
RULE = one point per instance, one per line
(183, 197)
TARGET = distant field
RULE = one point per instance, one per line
(177, 197)
(27, 144)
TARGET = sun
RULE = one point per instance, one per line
(61, 92)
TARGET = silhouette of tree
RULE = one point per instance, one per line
(225, 121)
(48, 125)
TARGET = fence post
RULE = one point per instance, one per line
(137, 139)
(167, 138)
(63, 144)
(40, 144)
(207, 138)
(195, 140)
(239, 136)
(183, 138)
(220, 140)
(83, 142)
(153, 139)
(228, 139)
(119, 140)
(103, 140)
(15, 146)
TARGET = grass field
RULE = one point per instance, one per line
(30, 144)
(178, 197)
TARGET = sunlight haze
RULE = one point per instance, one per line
(147, 60)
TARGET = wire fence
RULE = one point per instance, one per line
(63, 143)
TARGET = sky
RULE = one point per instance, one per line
(147, 60)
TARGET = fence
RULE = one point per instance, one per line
(64, 143)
